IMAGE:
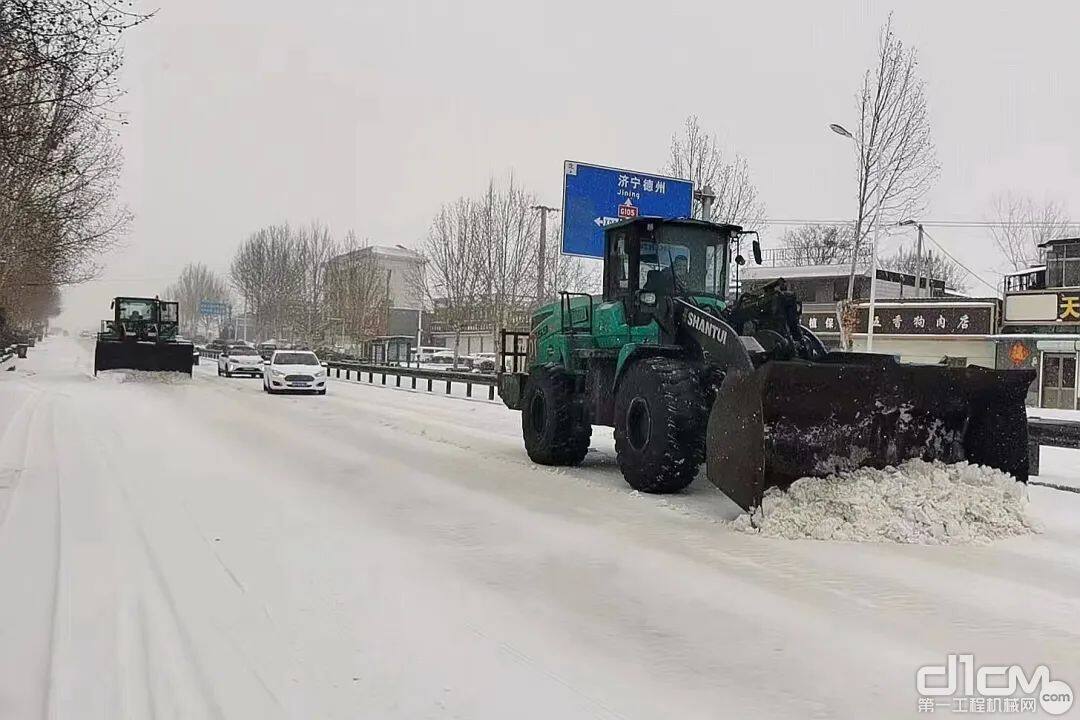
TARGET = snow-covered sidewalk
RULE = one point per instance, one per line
(200, 549)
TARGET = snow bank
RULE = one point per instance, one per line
(158, 377)
(928, 503)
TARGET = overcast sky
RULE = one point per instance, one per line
(369, 115)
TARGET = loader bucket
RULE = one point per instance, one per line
(788, 420)
(119, 354)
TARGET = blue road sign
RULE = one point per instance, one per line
(213, 308)
(595, 196)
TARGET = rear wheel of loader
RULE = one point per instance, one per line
(552, 421)
(660, 417)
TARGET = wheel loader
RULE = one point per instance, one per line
(142, 336)
(687, 372)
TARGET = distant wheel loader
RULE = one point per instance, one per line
(686, 376)
(142, 336)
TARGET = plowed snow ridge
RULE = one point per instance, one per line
(918, 502)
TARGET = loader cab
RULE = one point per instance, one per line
(145, 318)
(650, 259)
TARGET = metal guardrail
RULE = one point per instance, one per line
(445, 378)
(1041, 431)
(1054, 433)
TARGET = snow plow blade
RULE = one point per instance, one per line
(788, 420)
(128, 355)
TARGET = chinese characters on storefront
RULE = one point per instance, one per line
(913, 320)
(1069, 307)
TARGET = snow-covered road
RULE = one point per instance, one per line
(200, 549)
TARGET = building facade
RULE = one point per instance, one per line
(924, 324)
(398, 268)
(1041, 324)
(479, 333)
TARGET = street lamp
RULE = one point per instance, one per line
(841, 130)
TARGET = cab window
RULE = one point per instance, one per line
(619, 265)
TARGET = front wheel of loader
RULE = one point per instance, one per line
(552, 419)
(660, 416)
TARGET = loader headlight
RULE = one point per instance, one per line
(648, 298)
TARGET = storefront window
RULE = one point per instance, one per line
(1059, 381)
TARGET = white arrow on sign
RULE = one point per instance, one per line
(602, 221)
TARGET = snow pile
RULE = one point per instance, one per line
(928, 503)
(157, 377)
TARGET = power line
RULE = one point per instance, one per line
(951, 257)
(1065, 224)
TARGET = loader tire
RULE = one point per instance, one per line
(552, 418)
(660, 417)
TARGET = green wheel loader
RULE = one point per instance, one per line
(143, 336)
(684, 374)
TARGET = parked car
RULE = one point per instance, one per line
(294, 370)
(483, 362)
(444, 360)
(239, 360)
(424, 353)
(266, 350)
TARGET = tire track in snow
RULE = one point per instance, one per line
(1057, 586)
(859, 598)
(15, 448)
(146, 627)
(30, 567)
(866, 587)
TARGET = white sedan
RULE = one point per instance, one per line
(239, 360)
(294, 370)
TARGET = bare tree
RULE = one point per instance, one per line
(356, 290)
(268, 274)
(196, 283)
(567, 272)
(451, 279)
(72, 48)
(314, 247)
(1022, 224)
(935, 266)
(819, 244)
(896, 161)
(508, 243)
(59, 62)
(696, 155)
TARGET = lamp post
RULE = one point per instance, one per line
(841, 130)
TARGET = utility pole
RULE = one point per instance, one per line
(706, 196)
(544, 210)
(919, 266)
